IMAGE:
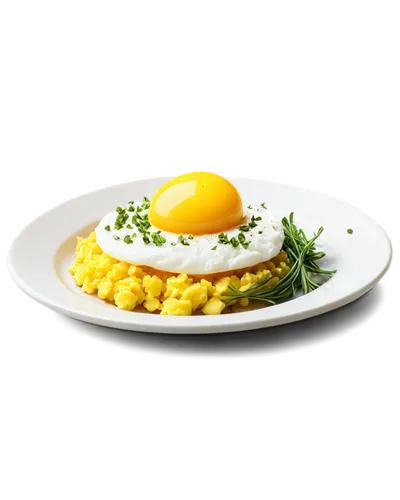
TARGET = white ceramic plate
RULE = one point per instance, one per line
(40, 256)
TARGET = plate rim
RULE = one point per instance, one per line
(199, 325)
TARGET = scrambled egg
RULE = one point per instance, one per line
(129, 286)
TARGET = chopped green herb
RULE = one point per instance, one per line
(120, 210)
(241, 238)
(183, 241)
(350, 231)
(223, 238)
(253, 222)
(127, 239)
(234, 242)
(190, 236)
(214, 248)
(259, 232)
(131, 202)
(117, 238)
(249, 207)
(107, 228)
(131, 209)
(173, 244)
(158, 240)
(146, 239)
(263, 205)
(258, 218)
(129, 226)
(244, 228)
(146, 203)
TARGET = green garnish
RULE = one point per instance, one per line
(303, 255)
(259, 232)
(131, 209)
(249, 207)
(263, 205)
(350, 231)
(190, 237)
(173, 244)
(223, 238)
(107, 228)
(234, 242)
(182, 240)
(158, 240)
(117, 238)
(146, 203)
(146, 239)
(241, 238)
(244, 228)
(214, 248)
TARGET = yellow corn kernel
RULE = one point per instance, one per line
(272, 282)
(80, 274)
(90, 286)
(171, 292)
(210, 287)
(126, 300)
(91, 266)
(244, 302)
(197, 294)
(80, 256)
(235, 281)
(282, 255)
(244, 288)
(176, 285)
(248, 278)
(270, 265)
(175, 307)
(260, 267)
(80, 241)
(152, 285)
(105, 290)
(136, 271)
(119, 271)
(96, 250)
(221, 286)
(213, 306)
(278, 272)
(151, 303)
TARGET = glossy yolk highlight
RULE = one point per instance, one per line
(196, 203)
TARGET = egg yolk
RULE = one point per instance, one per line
(196, 203)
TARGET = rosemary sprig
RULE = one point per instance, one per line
(303, 255)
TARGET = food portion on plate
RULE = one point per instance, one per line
(195, 248)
